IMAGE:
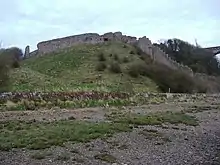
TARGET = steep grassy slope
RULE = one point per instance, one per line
(75, 69)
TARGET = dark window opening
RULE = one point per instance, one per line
(105, 39)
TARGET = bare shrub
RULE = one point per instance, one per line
(101, 57)
(166, 78)
(101, 66)
(125, 60)
(115, 67)
(116, 58)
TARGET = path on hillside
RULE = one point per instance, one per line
(153, 145)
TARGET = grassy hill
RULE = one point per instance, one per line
(76, 69)
(103, 68)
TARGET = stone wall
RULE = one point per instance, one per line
(34, 53)
(27, 52)
(160, 56)
(62, 43)
(88, 38)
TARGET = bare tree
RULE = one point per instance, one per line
(4, 73)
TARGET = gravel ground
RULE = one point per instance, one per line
(94, 114)
(153, 145)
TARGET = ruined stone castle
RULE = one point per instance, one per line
(93, 38)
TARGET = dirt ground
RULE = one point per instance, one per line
(154, 145)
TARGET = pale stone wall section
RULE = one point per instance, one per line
(27, 52)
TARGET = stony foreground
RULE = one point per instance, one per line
(166, 144)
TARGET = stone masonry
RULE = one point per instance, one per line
(27, 52)
(93, 38)
(87, 38)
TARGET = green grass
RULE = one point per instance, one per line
(153, 119)
(36, 135)
(74, 69)
(41, 135)
(25, 79)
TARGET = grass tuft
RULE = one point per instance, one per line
(18, 134)
(63, 157)
(40, 155)
(41, 135)
(154, 119)
(101, 66)
(115, 67)
(106, 158)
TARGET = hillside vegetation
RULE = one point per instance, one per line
(197, 58)
(102, 67)
(108, 67)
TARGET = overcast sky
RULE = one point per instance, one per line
(27, 22)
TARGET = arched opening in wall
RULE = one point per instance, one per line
(105, 39)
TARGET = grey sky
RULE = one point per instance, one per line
(27, 22)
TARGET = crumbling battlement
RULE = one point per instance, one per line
(93, 38)
(160, 56)
(87, 38)
(164, 58)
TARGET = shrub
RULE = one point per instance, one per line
(101, 66)
(142, 58)
(133, 72)
(115, 67)
(166, 78)
(16, 64)
(4, 74)
(116, 57)
(132, 52)
(9, 58)
(137, 69)
(101, 57)
(139, 51)
(13, 56)
(125, 60)
(177, 81)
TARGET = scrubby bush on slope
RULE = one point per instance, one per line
(166, 78)
(9, 58)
